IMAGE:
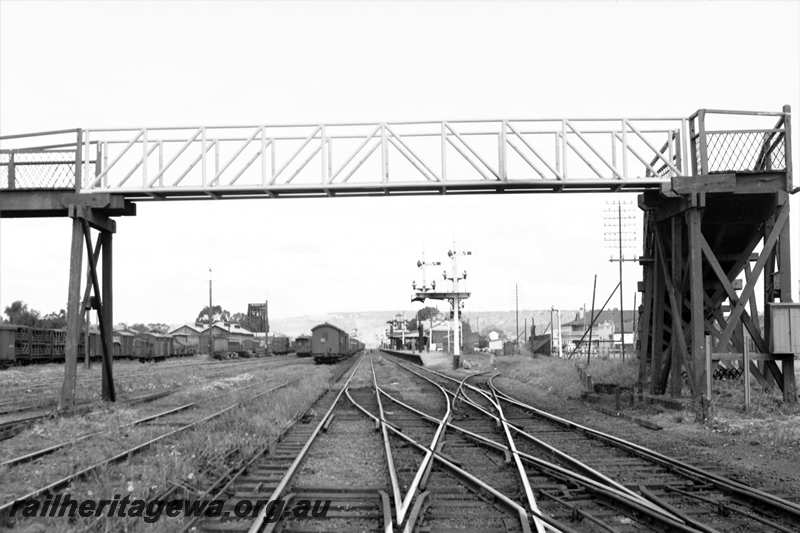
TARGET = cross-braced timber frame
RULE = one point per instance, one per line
(724, 228)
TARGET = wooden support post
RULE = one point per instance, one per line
(787, 140)
(784, 277)
(67, 399)
(675, 380)
(86, 315)
(591, 323)
(12, 172)
(645, 341)
(108, 316)
(746, 368)
(696, 292)
(703, 146)
(105, 335)
(657, 342)
(677, 331)
(789, 386)
(707, 365)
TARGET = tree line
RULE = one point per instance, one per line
(20, 314)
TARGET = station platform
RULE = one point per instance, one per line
(432, 359)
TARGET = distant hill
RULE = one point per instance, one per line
(370, 325)
(505, 321)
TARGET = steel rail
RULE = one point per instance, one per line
(129, 401)
(397, 497)
(55, 447)
(726, 507)
(170, 363)
(671, 519)
(509, 502)
(50, 449)
(523, 474)
(601, 481)
(258, 523)
(643, 499)
(232, 473)
(511, 449)
(576, 463)
(681, 467)
(403, 508)
(127, 453)
(228, 477)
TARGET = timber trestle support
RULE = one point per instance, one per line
(96, 296)
(710, 241)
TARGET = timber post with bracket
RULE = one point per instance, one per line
(46, 181)
(701, 236)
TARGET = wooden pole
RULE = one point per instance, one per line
(594, 292)
(746, 356)
(708, 372)
(86, 319)
(516, 314)
(657, 385)
(676, 269)
(621, 299)
(105, 335)
(783, 257)
(697, 324)
(525, 331)
(67, 399)
(109, 393)
(210, 319)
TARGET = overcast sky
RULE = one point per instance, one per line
(103, 64)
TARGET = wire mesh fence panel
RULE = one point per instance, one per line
(37, 170)
(745, 151)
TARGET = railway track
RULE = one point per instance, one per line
(175, 427)
(475, 435)
(16, 419)
(601, 475)
(270, 474)
(13, 425)
(463, 485)
(30, 397)
(442, 475)
(460, 454)
(706, 500)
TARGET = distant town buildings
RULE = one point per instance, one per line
(606, 333)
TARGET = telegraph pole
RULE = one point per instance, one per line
(210, 318)
(617, 231)
(591, 322)
(516, 313)
(621, 299)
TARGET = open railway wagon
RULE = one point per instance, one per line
(330, 344)
(22, 345)
(302, 346)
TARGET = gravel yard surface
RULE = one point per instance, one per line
(183, 459)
